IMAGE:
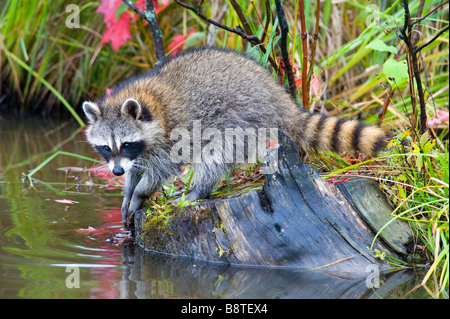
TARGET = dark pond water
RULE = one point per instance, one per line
(64, 231)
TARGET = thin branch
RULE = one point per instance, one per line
(431, 41)
(419, 13)
(253, 39)
(266, 26)
(431, 12)
(412, 57)
(250, 38)
(246, 26)
(411, 51)
(283, 45)
(313, 48)
(135, 9)
(268, 18)
(156, 31)
(385, 106)
(150, 16)
(411, 89)
(305, 54)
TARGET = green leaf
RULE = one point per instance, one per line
(379, 45)
(419, 163)
(424, 138)
(429, 146)
(121, 9)
(194, 39)
(401, 191)
(396, 72)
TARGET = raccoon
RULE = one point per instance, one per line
(132, 127)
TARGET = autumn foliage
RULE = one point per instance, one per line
(117, 20)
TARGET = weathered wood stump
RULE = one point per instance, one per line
(296, 220)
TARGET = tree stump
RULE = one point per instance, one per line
(297, 220)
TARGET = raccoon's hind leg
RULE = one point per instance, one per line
(206, 175)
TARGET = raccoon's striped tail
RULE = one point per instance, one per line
(322, 132)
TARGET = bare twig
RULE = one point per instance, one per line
(253, 39)
(283, 45)
(411, 51)
(431, 41)
(246, 26)
(313, 48)
(385, 106)
(305, 54)
(241, 15)
(429, 13)
(150, 16)
(266, 26)
(412, 58)
(250, 38)
(411, 89)
(268, 18)
(135, 9)
(419, 13)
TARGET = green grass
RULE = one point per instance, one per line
(423, 200)
(45, 63)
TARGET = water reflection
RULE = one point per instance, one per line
(150, 275)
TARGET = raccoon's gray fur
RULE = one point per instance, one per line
(131, 128)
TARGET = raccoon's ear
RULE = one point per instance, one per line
(131, 108)
(92, 111)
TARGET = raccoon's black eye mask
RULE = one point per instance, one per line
(105, 151)
(132, 150)
(129, 150)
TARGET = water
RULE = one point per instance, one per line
(64, 229)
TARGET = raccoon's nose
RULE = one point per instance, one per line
(118, 171)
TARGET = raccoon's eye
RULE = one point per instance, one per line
(107, 148)
(126, 145)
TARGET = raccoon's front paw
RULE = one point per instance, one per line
(125, 214)
(128, 218)
(128, 212)
(129, 223)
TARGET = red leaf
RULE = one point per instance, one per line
(314, 83)
(108, 8)
(335, 181)
(441, 117)
(159, 8)
(178, 43)
(116, 32)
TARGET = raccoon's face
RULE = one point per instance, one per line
(120, 139)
